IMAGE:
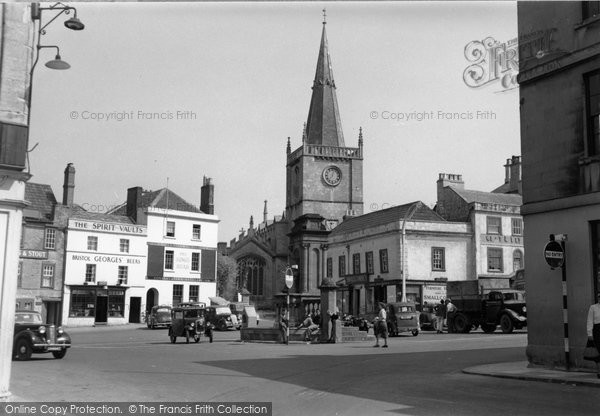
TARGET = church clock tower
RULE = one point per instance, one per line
(324, 177)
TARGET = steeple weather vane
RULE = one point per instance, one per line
(324, 16)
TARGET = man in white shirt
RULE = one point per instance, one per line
(593, 327)
(450, 313)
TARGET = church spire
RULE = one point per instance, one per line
(324, 126)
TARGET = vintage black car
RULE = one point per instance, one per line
(159, 315)
(221, 317)
(34, 337)
(189, 321)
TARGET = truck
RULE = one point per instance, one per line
(488, 307)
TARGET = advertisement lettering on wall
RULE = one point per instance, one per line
(434, 293)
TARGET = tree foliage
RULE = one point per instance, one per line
(227, 277)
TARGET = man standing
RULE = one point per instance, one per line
(440, 314)
(450, 313)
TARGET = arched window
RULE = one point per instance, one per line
(517, 260)
(251, 274)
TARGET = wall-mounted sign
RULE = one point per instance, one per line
(34, 254)
(434, 293)
(107, 227)
(501, 240)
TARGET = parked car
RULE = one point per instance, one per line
(237, 309)
(159, 315)
(427, 317)
(221, 317)
(189, 322)
(33, 337)
(402, 317)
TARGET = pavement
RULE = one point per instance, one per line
(521, 370)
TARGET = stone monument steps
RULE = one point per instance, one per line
(352, 334)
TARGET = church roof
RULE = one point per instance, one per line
(324, 126)
(489, 197)
(388, 216)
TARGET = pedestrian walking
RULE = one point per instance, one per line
(381, 326)
(450, 314)
(593, 329)
(333, 316)
(283, 327)
(440, 315)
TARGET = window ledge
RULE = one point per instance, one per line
(587, 22)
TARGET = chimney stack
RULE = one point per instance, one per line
(265, 213)
(69, 185)
(515, 174)
(134, 202)
(207, 195)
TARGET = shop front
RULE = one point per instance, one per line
(96, 305)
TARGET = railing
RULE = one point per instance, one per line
(326, 151)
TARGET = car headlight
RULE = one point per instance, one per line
(42, 330)
(60, 331)
(192, 324)
(524, 309)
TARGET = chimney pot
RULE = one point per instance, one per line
(69, 185)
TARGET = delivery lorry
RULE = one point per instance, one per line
(488, 307)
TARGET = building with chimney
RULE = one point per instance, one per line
(560, 140)
(497, 249)
(41, 262)
(181, 245)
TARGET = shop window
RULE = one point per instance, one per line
(177, 294)
(48, 276)
(122, 275)
(124, 245)
(383, 261)
(90, 273)
(494, 259)
(195, 262)
(92, 243)
(170, 229)
(369, 262)
(356, 263)
(494, 225)
(169, 254)
(50, 239)
(116, 300)
(194, 290)
(438, 259)
(83, 303)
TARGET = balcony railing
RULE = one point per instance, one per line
(326, 151)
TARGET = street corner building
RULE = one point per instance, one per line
(559, 77)
(364, 257)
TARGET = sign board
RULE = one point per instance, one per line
(434, 293)
(554, 254)
(289, 278)
(34, 254)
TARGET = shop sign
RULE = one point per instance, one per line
(34, 254)
(105, 259)
(434, 293)
(501, 240)
(107, 227)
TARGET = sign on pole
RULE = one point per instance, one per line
(289, 278)
(554, 254)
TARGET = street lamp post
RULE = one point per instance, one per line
(407, 217)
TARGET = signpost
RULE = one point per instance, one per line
(554, 253)
(289, 282)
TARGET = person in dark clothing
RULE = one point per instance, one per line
(440, 314)
(333, 316)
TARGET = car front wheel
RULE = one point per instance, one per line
(60, 354)
(506, 324)
(23, 350)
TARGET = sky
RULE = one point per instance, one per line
(167, 93)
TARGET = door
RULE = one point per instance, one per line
(135, 307)
(101, 309)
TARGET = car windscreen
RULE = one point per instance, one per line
(28, 318)
(163, 313)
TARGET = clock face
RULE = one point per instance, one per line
(332, 175)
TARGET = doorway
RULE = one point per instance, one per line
(101, 309)
(135, 306)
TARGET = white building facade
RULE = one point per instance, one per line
(182, 256)
(105, 270)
